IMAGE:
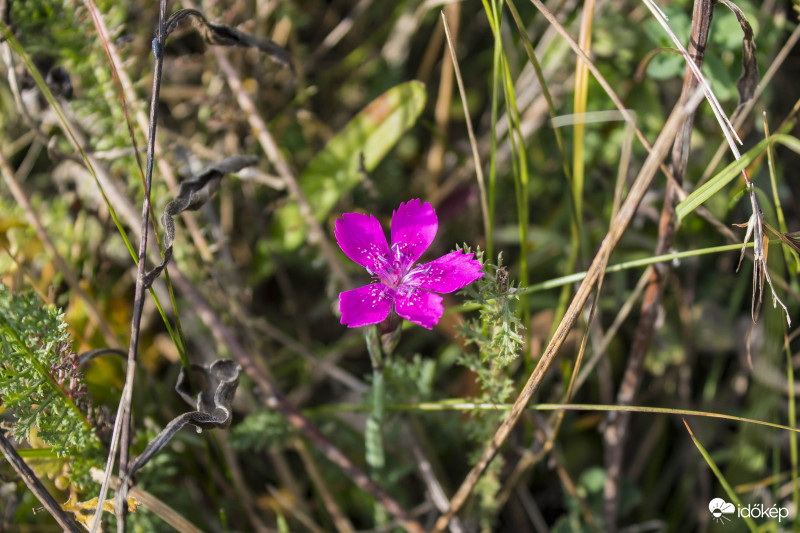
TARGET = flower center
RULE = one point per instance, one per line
(400, 268)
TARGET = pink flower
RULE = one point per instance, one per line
(398, 281)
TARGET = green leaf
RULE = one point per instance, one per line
(335, 170)
(712, 186)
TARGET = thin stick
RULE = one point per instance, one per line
(265, 139)
(152, 503)
(138, 299)
(121, 432)
(341, 522)
(615, 434)
(128, 93)
(441, 109)
(476, 158)
(274, 399)
(36, 486)
(618, 227)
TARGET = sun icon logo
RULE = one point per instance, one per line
(719, 508)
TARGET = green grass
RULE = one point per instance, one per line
(415, 412)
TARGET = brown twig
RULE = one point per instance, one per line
(35, 486)
(615, 434)
(341, 522)
(243, 495)
(618, 227)
(265, 139)
(273, 399)
(476, 158)
(127, 93)
(122, 423)
(441, 109)
(152, 503)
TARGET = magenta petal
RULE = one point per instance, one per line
(418, 306)
(414, 226)
(447, 274)
(361, 238)
(366, 305)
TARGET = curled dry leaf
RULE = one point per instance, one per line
(217, 384)
(192, 195)
(221, 35)
(748, 81)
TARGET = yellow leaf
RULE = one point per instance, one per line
(84, 511)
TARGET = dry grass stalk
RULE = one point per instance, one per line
(595, 271)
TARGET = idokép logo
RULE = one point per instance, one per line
(719, 508)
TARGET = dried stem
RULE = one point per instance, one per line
(487, 226)
(274, 399)
(615, 434)
(36, 486)
(618, 227)
(265, 139)
(127, 93)
(153, 504)
(122, 423)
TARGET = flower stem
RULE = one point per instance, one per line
(373, 438)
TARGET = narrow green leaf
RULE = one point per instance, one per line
(720, 477)
(712, 186)
(336, 169)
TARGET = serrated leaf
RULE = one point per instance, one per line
(336, 169)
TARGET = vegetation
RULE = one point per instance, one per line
(612, 370)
